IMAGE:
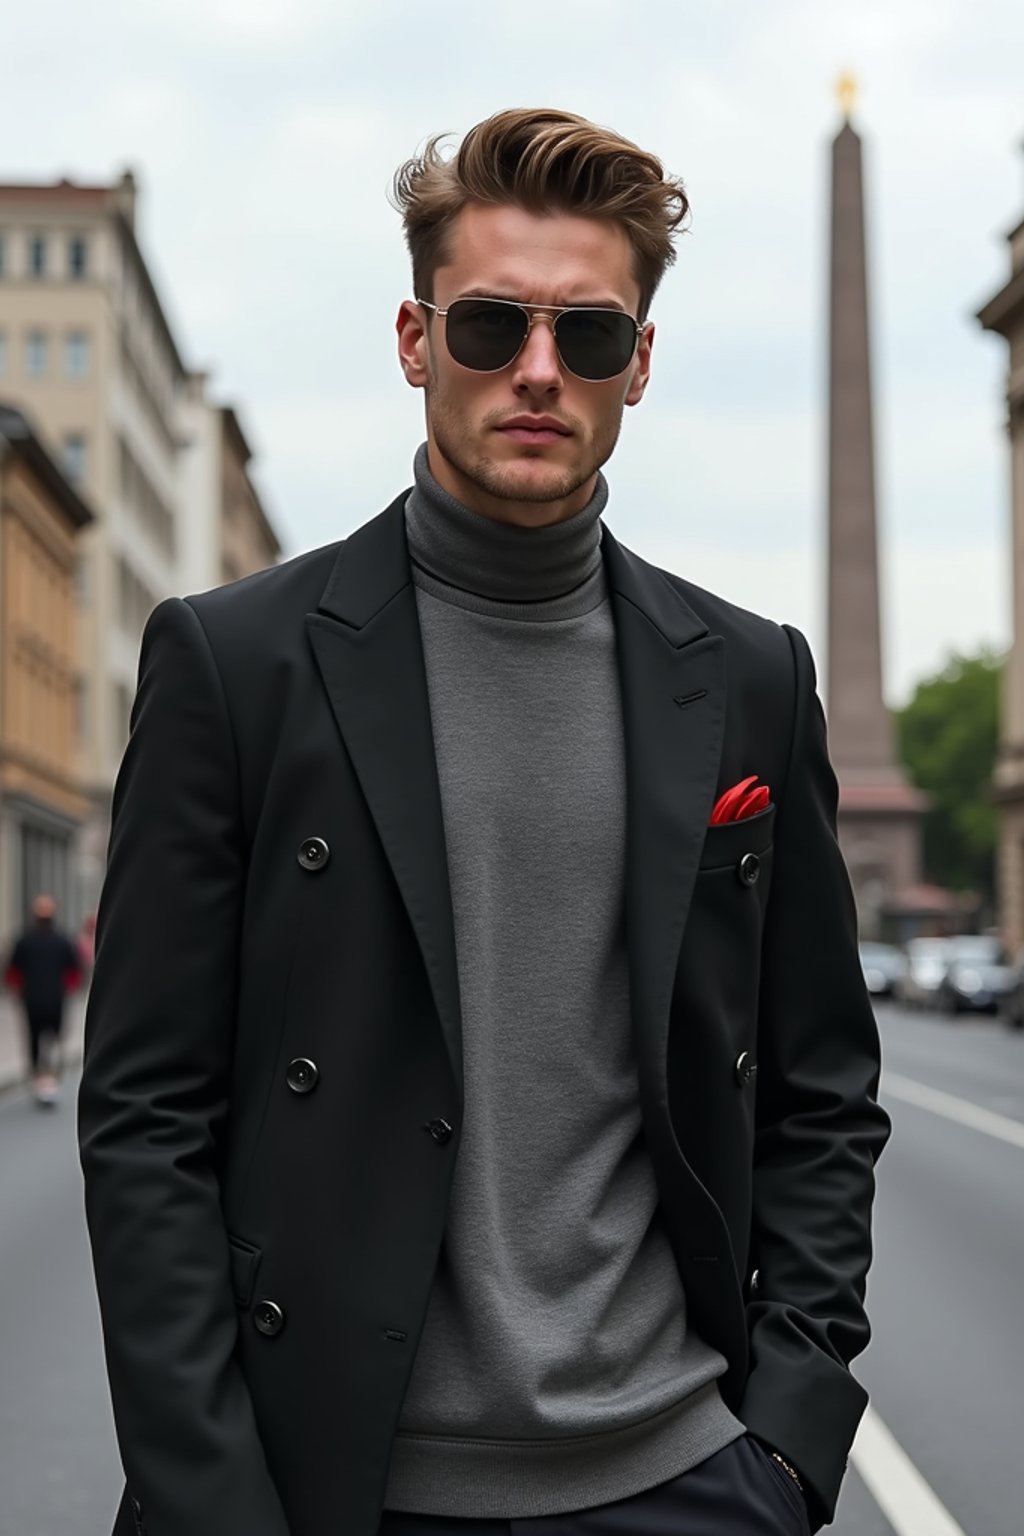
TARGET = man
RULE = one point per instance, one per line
(476, 1138)
(43, 968)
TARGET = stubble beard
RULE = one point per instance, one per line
(501, 481)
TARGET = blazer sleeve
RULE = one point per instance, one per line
(819, 1130)
(153, 1099)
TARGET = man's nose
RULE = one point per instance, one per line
(538, 365)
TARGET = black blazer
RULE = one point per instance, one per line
(271, 1100)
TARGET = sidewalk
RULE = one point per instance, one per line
(12, 1044)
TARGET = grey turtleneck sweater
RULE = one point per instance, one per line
(555, 1370)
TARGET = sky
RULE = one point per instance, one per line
(265, 133)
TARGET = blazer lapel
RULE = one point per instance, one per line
(366, 638)
(672, 673)
(367, 642)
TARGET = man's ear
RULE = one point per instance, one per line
(412, 343)
(641, 373)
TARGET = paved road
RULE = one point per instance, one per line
(58, 1463)
(945, 1367)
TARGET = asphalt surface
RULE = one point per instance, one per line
(59, 1469)
(945, 1367)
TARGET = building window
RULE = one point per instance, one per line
(74, 457)
(37, 256)
(76, 355)
(77, 256)
(35, 354)
(44, 867)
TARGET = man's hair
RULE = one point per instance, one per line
(544, 161)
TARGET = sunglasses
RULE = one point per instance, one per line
(488, 334)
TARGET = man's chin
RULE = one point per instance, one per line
(532, 478)
(529, 474)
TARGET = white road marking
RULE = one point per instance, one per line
(947, 1104)
(895, 1484)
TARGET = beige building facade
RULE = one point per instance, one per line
(87, 354)
(1004, 314)
(247, 541)
(43, 805)
(226, 531)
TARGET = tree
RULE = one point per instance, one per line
(948, 734)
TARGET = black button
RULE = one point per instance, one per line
(440, 1130)
(748, 869)
(303, 1075)
(268, 1318)
(745, 1069)
(314, 853)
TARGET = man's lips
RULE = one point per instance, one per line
(543, 431)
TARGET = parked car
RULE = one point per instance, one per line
(978, 974)
(884, 967)
(926, 967)
(1011, 1004)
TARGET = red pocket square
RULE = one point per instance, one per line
(740, 801)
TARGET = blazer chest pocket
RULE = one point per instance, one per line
(245, 1261)
(727, 845)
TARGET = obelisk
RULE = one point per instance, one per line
(879, 812)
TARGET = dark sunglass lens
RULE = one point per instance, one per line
(595, 343)
(484, 334)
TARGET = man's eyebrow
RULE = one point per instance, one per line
(513, 298)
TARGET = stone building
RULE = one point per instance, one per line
(88, 355)
(42, 801)
(226, 533)
(1004, 314)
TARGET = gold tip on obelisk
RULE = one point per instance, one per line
(846, 90)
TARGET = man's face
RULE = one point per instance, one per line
(476, 452)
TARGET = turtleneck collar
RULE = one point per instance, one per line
(500, 560)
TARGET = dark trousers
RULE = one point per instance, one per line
(43, 1024)
(739, 1491)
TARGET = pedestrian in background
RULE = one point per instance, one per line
(43, 968)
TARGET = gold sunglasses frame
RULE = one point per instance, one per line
(551, 310)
